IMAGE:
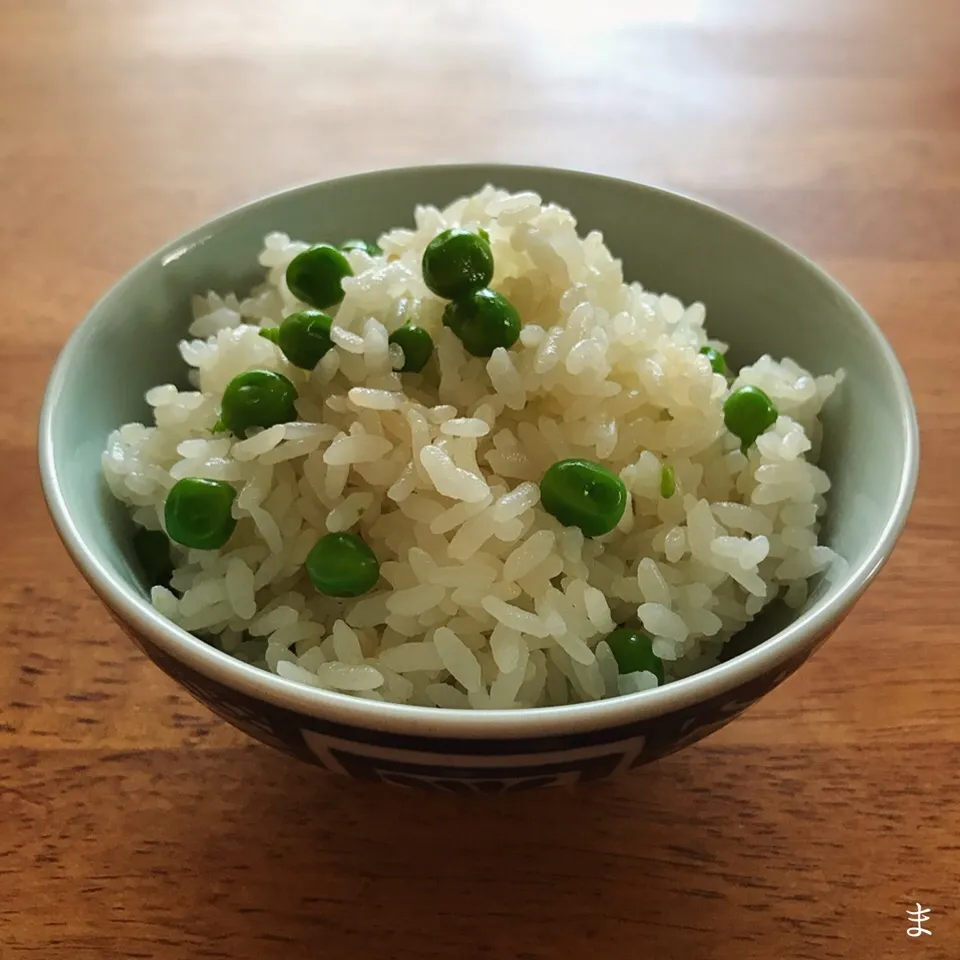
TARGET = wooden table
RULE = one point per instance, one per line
(134, 824)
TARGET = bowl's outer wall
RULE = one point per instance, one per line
(470, 766)
(760, 298)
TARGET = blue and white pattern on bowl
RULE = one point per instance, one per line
(464, 765)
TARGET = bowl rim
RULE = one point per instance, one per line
(139, 614)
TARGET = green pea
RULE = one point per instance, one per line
(417, 346)
(483, 321)
(633, 651)
(342, 565)
(453, 318)
(668, 482)
(315, 275)
(197, 513)
(580, 493)
(257, 398)
(483, 233)
(716, 358)
(371, 249)
(457, 262)
(270, 333)
(747, 413)
(152, 548)
(304, 337)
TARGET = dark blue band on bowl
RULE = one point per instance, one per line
(435, 761)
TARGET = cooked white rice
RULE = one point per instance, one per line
(485, 600)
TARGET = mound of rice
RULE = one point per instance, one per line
(485, 600)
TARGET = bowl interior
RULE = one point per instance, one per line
(760, 298)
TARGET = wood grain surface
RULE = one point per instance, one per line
(134, 824)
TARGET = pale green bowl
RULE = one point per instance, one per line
(761, 297)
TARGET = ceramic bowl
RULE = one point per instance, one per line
(761, 297)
